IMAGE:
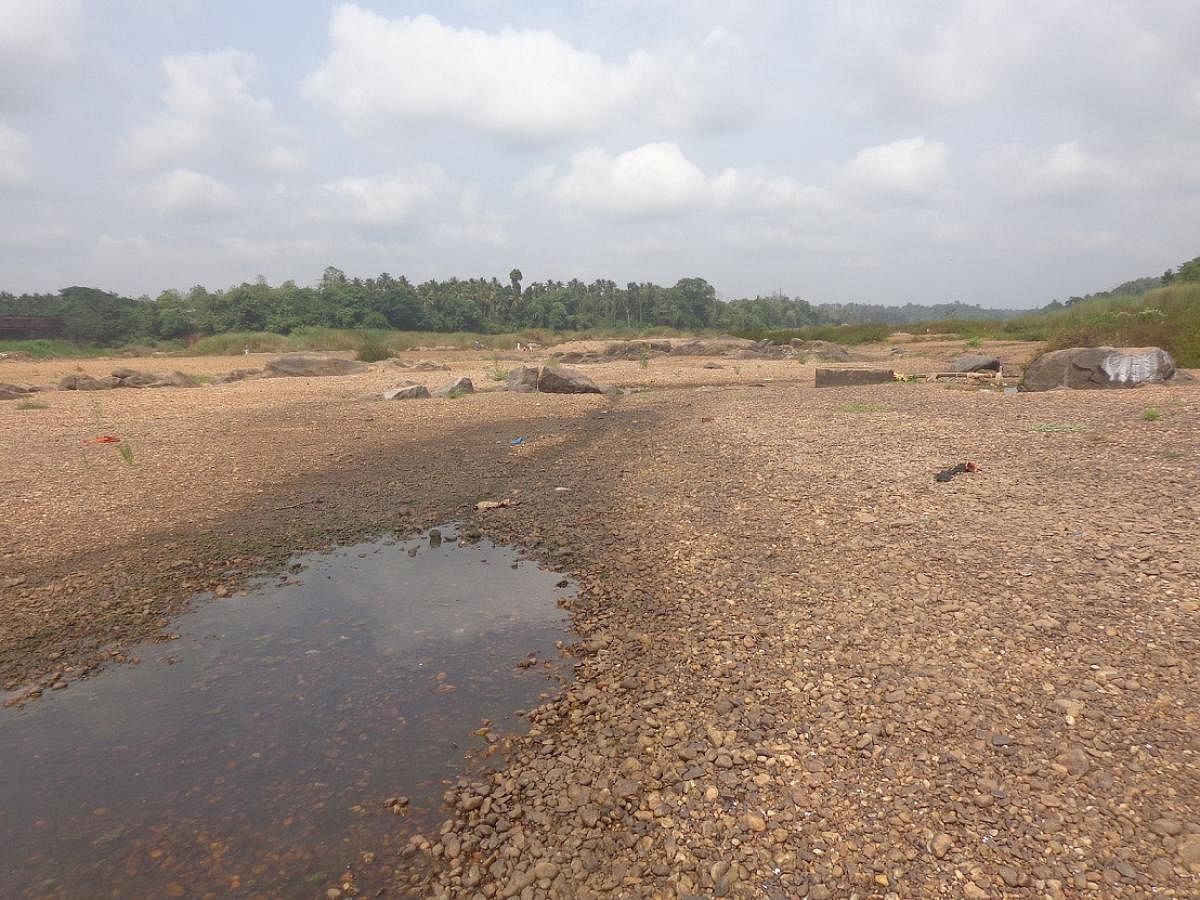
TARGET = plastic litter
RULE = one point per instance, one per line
(517, 441)
(104, 439)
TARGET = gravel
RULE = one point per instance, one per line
(805, 668)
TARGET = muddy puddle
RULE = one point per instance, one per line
(252, 756)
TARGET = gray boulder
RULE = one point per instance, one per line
(457, 386)
(712, 346)
(428, 365)
(407, 392)
(560, 380)
(135, 379)
(80, 382)
(523, 380)
(12, 392)
(308, 365)
(1098, 367)
(976, 362)
(825, 350)
(179, 380)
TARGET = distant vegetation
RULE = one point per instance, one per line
(376, 315)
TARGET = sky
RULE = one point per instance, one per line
(1000, 152)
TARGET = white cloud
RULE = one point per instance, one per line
(16, 156)
(39, 31)
(524, 86)
(210, 110)
(651, 181)
(37, 37)
(186, 194)
(949, 58)
(1066, 172)
(382, 202)
(906, 171)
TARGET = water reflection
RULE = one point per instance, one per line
(251, 756)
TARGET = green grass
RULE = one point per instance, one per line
(32, 404)
(1056, 428)
(126, 453)
(373, 348)
(863, 408)
(975, 343)
(45, 349)
(1151, 414)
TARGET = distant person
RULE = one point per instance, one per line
(478, 346)
(246, 350)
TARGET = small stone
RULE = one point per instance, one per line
(1001, 740)
(1010, 875)
(545, 869)
(941, 845)
(755, 822)
(1166, 827)
(972, 891)
(1189, 852)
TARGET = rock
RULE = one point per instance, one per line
(941, 845)
(976, 362)
(826, 350)
(558, 380)
(428, 365)
(712, 346)
(81, 382)
(407, 392)
(12, 392)
(237, 375)
(136, 379)
(1166, 827)
(1075, 761)
(121, 372)
(307, 365)
(1189, 852)
(1098, 367)
(755, 822)
(972, 891)
(712, 365)
(523, 380)
(840, 377)
(179, 380)
(457, 386)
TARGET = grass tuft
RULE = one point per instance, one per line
(1151, 414)
(1056, 428)
(32, 404)
(863, 408)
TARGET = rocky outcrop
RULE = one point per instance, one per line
(826, 351)
(457, 386)
(77, 381)
(561, 380)
(1098, 367)
(712, 346)
(428, 365)
(12, 392)
(976, 362)
(308, 365)
(523, 380)
(407, 392)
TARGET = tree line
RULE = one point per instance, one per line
(483, 305)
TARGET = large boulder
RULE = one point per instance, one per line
(976, 362)
(458, 386)
(407, 392)
(310, 365)
(523, 380)
(712, 346)
(12, 392)
(560, 380)
(77, 381)
(428, 365)
(132, 379)
(1098, 367)
(824, 350)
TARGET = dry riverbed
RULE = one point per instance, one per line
(806, 668)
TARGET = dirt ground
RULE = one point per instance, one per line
(807, 668)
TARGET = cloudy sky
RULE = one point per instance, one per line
(994, 152)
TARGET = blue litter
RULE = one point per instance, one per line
(516, 441)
